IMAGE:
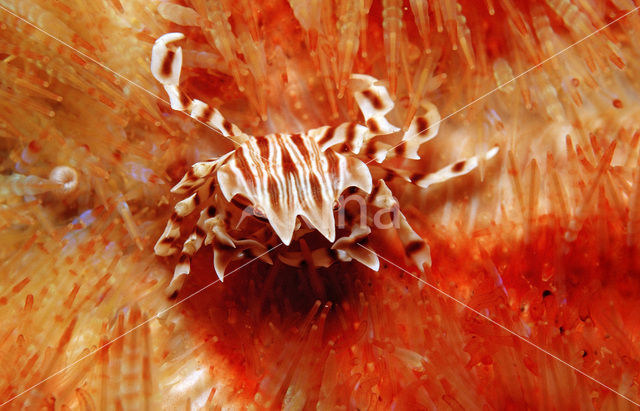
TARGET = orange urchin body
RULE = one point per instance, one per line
(542, 239)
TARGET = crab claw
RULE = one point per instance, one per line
(166, 62)
(352, 247)
(374, 102)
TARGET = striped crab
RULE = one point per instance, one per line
(293, 185)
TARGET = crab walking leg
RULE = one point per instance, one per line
(343, 138)
(166, 243)
(211, 228)
(421, 129)
(456, 169)
(223, 254)
(355, 246)
(449, 172)
(344, 249)
(165, 246)
(192, 181)
(374, 103)
(198, 175)
(166, 64)
(415, 247)
(190, 247)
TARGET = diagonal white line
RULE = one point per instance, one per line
(133, 83)
(487, 94)
(134, 328)
(419, 279)
(172, 306)
(503, 327)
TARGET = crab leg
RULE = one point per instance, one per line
(211, 228)
(375, 103)
(166, 64)
(199, 174)
(344, 249)
(166, 243)
(454, 170)
(414, 246)
(355, 245)
(449, 172)
(343, 138)
(422, 129)
(190, 247)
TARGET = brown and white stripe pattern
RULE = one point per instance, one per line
(374, 102)
(425, 180)
(285, 176)
(356, 246)
(416, 249)
(200, 184)
(454, 170)
(166, 65)
(422, 129)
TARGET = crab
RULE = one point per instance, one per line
(283, 187)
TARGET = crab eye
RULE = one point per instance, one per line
(257, 212)
(336, 205)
